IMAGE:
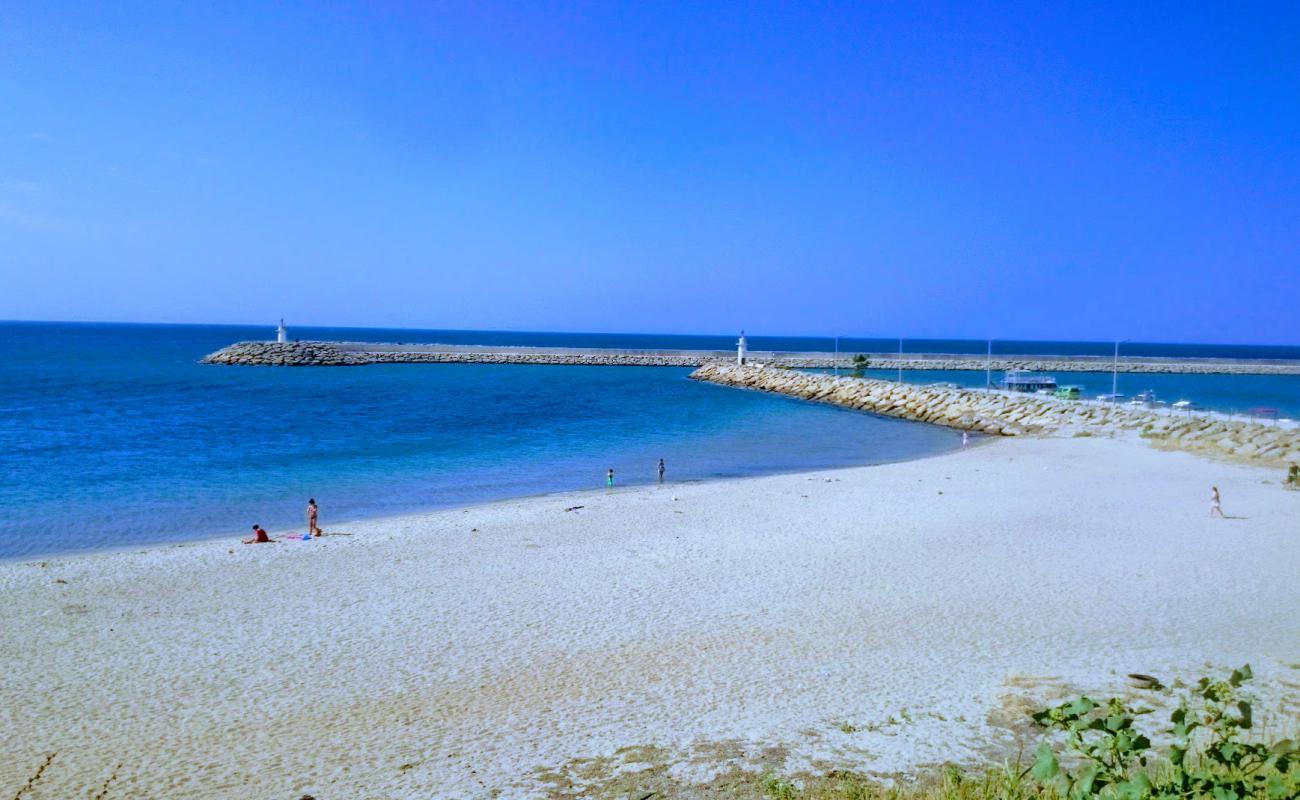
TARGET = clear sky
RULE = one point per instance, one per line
(1089, 172)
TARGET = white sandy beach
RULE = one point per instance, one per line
(878, 619)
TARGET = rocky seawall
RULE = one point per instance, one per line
(1007, 414)
(288, 354)
(332, 354)
(328, 354)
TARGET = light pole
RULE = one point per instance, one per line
(836, 362)
(900, 359)
(988, 368)
(1114, 375)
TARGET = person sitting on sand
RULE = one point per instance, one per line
(1215, 508)
(312, 528)
(259, 536)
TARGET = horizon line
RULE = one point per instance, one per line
(894, 337)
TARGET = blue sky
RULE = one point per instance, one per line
(1092, 171)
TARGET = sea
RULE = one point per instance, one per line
(115, 436)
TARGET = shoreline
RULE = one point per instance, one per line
(141, 548)
(857, 618)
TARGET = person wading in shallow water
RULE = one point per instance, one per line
(609, 477)
(312, 528)
(661, 470)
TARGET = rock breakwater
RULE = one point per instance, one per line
(286, 354)
(1009, 414)
(331, 354)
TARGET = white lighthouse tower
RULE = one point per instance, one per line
(742, 349)
(282, 333)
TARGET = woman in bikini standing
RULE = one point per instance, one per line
(312, 528)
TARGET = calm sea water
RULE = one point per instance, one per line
(114, 435)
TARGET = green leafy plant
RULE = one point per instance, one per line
(1209, 756)
(860, 364)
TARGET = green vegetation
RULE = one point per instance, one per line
(1106, 756)
(860, 364)
(1208, 755)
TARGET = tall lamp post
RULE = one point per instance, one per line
(988, 368)
(900, 359)
(836, 362)
(1114, 374)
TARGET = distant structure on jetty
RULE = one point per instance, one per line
(281, 333)
(349, 354)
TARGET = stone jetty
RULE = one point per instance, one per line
(285, 354)
(1011, 414)
(332, 354)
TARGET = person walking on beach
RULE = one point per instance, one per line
(312, 528)
(259, 536)
(1293, 477)
(609, 477)
(661, 470)
(965, 437)
(1215, 507)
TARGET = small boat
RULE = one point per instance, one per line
(1111, 398)
(1021, 381)
(1182, 405)
(1068, 392)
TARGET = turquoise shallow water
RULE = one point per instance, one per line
(115, 435)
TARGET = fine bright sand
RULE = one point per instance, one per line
(878, 619)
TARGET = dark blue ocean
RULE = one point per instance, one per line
(114, 435)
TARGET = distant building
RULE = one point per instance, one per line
(1021, 381)
(282, 333)
(742, 350)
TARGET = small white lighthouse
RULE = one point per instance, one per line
(282, 333)
(742, 349)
